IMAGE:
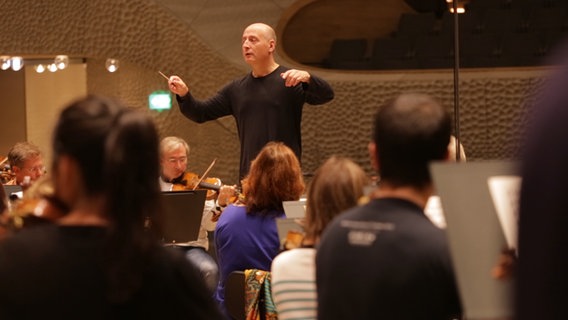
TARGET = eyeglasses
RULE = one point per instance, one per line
(38, 169)
(176, 160)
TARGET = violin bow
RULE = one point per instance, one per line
(205, 173)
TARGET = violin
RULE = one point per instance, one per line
(191, 181)
(6, 174)
(235, 197)
(30, 212)
(39, 206)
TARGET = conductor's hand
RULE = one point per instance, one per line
(292, 77)
(177, 86)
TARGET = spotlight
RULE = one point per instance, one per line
(61, 61)
(52, 67)
(17, 63)
(40, 68)
(111, 65)
(5, 62)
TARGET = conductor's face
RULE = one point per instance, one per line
(257, 44)
(174, 163)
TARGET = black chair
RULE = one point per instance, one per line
(435, 52)
(416, 24)
(482, 5)
(348, 54)
(469, 22)
(537, 4)
(544, 19)
(523, 49)
(235, 295)
(553, 39)
(393, 53)
(480, 51)
(498, 21)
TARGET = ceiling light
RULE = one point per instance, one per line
(17, 63)
(4, 62)
(111, 65)
(61, 61)
(52, 67)
(39, 68)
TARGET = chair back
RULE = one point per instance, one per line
(235, 295)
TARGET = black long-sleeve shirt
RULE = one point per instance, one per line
(264, 108)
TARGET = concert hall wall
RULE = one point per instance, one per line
(146, 38)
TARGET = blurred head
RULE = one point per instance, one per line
(174, 154)
(26, 160)
(410, 131)
(104, 150)
(275, 176)
(258, 44)
(336, 186)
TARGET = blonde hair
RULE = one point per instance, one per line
(171, 143)
(21, 152)
(337, 185)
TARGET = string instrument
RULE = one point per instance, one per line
(30, 212)
(191, 181)
(237, 197)
(38, 206)
(6, 174)
(293, 240)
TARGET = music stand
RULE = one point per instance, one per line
(183, 212)
(475, 235)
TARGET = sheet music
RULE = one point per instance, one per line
(505, 191)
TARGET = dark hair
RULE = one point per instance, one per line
(117, 152)
(410, 131)
(336, 186)
(275, 176)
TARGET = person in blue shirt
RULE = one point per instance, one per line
(246, 236)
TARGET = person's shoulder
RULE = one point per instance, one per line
(345, 221)
(177, 287)
(30, 235)
(232, 213)
(293, 257)
(354, 213)
(287, 256)
(28, 248)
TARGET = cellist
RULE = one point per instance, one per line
(174, 155)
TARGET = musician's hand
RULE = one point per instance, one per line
(226, 193)
(177, 86)
(292, 77)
